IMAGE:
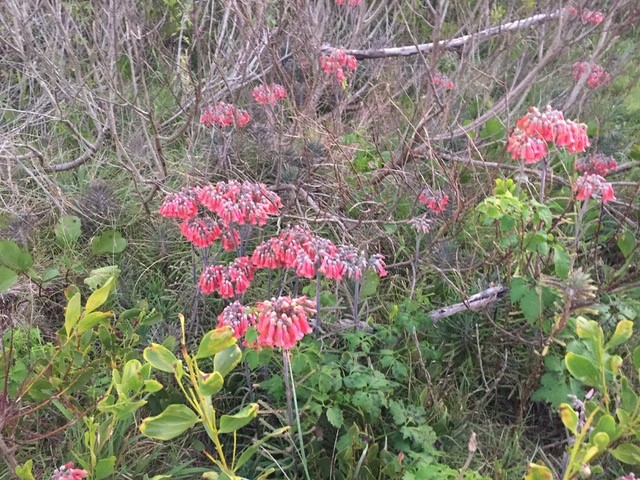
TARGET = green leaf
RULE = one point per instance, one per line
(12, 256)
(215, 341)
(494, 128)
(109, 242)
(517, 289)
(226, 360)
(211, 384)
(49, 274)
(569, 417)
(369, 284)
(636, 357)
(24, 471)
(587, 329)
(72, 313)
(335, 417)
(100, 276)
(87, 322)
(68, 230)
(249, 452)
(97, 298)
(623, 332)
(561, 262)
(231, 423)
(628, 397)
(626, 242)
(104, 468)
(627, 453)
(131, 379)
(601, 440)
(538, 472)
(583, 369)
(152, 386)
(175, 420)
(530, 305)
(8, 278)
(160, 358)
(606, 424)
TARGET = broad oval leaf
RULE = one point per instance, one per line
(623, 332)
(226, 360)
(231, 423)
(72, 313)
(583, 369)
(12, 256)
(569, 417)
(627, 453)
(68, 230)
(8, 279)
(175, 420)
(160, 358)
(601, 440)
(109, 242)
(215, 341)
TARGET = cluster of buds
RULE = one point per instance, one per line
(240, 203)
(349, 3)
(591, 185)
(237, 316)
(67, 472)
(298, 249)
(339, 63)
(201, 232)
(269, 94)
(597, 75)
(421, 224)
(594, 17)
(434, 201)
(529, 138)
(224, 115)
(441, 81)
(228, 281)
(598, 164)
(283, 321)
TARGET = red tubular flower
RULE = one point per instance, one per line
(201, 232)
(593, 17)
(238, 317)
(269, 94)
(434, 201)
(598, 76)
(180, 205)
(227, 281)
(283, 321)
(442, 81)
(593, 186)
(67, 472)
(224, 115)
(339, 63)
(598, 164)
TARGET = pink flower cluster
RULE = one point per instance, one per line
(228, 281)
(594, 17)
(597, 75)
(298, 249)
(349, 3)
(442, 81)
(280, 322)
(283, 321)
(592, 185)
(434, 201)
(529, 138)
(224, 115)
(269, 94)
(339, 63)
(237, 316)
(67, 472)
(598, 164)
(234, 203)
(183, 204)
(240, 203)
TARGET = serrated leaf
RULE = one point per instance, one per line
(72, 313)
(215, 341)
(231, 423)
(175, 420)
(68, 230)
(517, 289)
(335, 417)
(226, 360)
(8, 278)
(530, 305)
(109, 242)
(100, 276)
(12, 256)
(583, 369)
(160, 358)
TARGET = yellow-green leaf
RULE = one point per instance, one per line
(538, 472)
(97, 298)
(87, 322)
(623, 332)
(582, 368)
(215, 341)
(210, 384)
(231, 423)
(175, 420)
(627, 453)
(569, 417)
(72, 313)
(601, 440)
(226, 360)
(160, 358)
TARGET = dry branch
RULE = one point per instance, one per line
(474, 302)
